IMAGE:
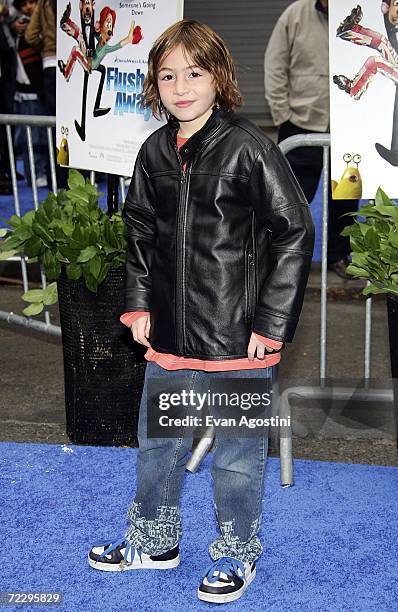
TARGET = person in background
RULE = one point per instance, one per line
(28, 98)
(296, 77)
(41, 32)
(8, 67)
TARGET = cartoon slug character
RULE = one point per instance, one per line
(63, 151)
(350, 185)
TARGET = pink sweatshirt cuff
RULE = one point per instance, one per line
(274, 344)
(128, 318)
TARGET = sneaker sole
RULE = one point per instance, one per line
(225, 598)
(157, 565)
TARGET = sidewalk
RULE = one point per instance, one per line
(31, 376)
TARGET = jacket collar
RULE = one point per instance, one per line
(212, 125)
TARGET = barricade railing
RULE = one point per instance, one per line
(28, 122)
(281, 402)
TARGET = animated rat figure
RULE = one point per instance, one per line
(386, 63)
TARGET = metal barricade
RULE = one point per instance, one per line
(28, 122)
(282, 401)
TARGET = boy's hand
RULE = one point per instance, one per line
(140, 330)
(258, 347)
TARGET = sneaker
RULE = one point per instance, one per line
(343, 82)
(119, 555)
(61, 66)
(226, 580)
(349, 22)
(41, 181)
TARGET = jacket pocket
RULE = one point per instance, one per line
(249, 286)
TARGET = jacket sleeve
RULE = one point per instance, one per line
(281, 207)
(276, 73)
(139, 217)
(33, 33)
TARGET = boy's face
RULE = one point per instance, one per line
(27, 7)
(186, 91)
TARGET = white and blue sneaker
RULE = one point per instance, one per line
(119, 555)
(226, 580)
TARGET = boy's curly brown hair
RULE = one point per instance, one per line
(206, 49)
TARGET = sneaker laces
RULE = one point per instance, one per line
(119, 541)
(225, 565)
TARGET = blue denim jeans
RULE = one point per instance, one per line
(237, 471)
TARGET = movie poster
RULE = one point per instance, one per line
(364, 83)
(102, 51)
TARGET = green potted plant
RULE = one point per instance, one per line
(374, 245)
(82, 250)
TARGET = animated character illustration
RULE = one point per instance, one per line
(85, 37)
(104, 32)
(91, 49)
(63, 151)
(386, 63)
(350, 185)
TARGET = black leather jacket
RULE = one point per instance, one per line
(220, 249)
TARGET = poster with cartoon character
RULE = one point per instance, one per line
(363, 41)
(102, 51)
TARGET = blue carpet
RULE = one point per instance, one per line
(329, 541)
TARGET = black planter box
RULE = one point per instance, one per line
(392, 309)
(103, 367)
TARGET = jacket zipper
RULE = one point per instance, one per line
(181, 230)
(250, 287)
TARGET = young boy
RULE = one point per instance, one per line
(220, 241)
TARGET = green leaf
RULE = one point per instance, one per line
(6, 254)
(91, 282)
(374, 289)
(75, 179)
(41, 231)
(14, 221)
(3, 232)
(87, 254)
(74, 271)
(79, 195)
(50, 294)
(23, 232)
(33, 309)
(94, 267)
(104, 271)
(357, 271)
(382, 198)
(28, 218)
(70, 254)
(51, 265)
(371, 240)
(12, 242)
(33, 246)
(33, 295)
